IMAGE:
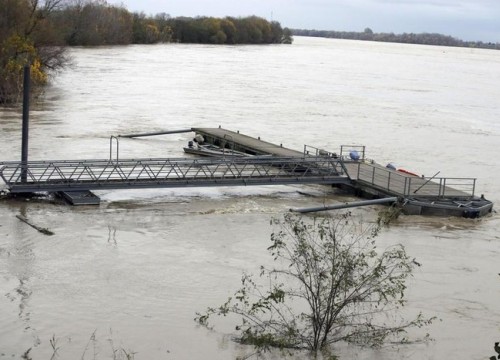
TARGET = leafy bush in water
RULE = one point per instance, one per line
(329, 283)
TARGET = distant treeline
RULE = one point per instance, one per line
(406, 38)
(97, 23)
(38, 33)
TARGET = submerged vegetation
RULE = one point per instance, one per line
(329, 283)
(95, 349)
(38, 32)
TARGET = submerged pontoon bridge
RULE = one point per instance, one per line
(266, 164)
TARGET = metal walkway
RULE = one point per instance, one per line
(267, 164)
(394, 183)
(365, 174)
(72, 175)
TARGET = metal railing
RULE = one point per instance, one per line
(311, 168)
(117, 142)
(411, 186)
(95, 174)
(314, 151)
(346, 152)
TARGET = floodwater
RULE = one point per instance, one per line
(136, 269)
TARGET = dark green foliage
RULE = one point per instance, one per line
(329, 284)
(95, 22)
(149, 31)
(209, 30)
(287, 37)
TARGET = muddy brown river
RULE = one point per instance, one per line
(137, 268)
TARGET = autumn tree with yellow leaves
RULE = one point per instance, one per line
(37, 32)
(27, 37)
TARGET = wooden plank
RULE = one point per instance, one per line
(44, 231)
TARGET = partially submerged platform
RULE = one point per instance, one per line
(235, 141)
(83, 197)
(263, 163)
(418, 195)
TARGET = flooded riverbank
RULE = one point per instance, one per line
(138, 267)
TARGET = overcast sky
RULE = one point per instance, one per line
(464, 19)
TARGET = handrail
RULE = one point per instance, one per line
(425, 183)
(323, 169)
(111, 147)
(224, 147)
(232, 139)
(126, 172)
(360, 148)
(407, 185)
(318, 152)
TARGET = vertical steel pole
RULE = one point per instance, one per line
(25, 130)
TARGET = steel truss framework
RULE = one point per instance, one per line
(74, 175)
